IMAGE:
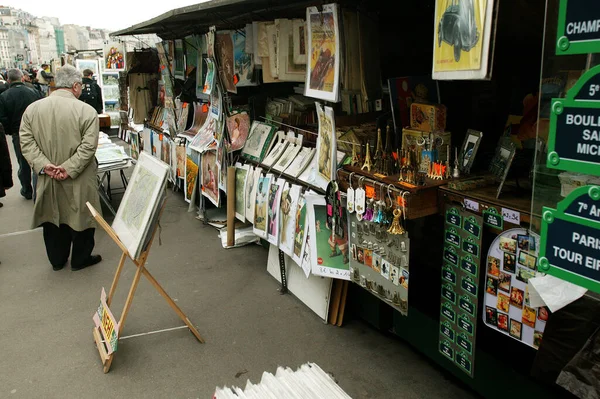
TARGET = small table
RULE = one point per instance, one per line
(103, 176)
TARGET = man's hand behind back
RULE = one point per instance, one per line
(56, 172)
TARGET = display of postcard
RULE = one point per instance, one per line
(210, 174)
(323, 45)
(243, 61)
(300, 162)
(114, 57)
(252, 182)
(287, 69)
(140, 201)
(462, 50)
(274, 201)
(299, 230)
(238, 126)
(224, 49)
(287, 217)
(276, 152)
(330, 251)
(287, 158)
(503, 253)
(299, 39)
(192, 163)
(259, 141)
(326, 147)
(241, 175)
(261, 204)
(179, 60)
(273, 43)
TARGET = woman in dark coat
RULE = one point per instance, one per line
(6, 180)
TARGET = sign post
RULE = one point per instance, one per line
(578, 27)
(570, 239)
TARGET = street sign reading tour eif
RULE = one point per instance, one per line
(574, 137)
(570, 239)
(578, 30)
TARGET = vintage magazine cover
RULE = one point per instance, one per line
(224, 44)
(323, 68)
(210, 173)
(462, 39)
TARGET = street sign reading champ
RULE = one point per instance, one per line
(578, 30)
(570, 239)
(574, 137)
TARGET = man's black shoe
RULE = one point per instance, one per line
(60, 267)
(92, 260)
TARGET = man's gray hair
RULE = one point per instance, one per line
(15, 75)
(67, 76)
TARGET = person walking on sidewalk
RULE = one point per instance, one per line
(44, 78)
(13, 103)
(59, 137)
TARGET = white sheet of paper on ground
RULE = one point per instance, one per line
(553, 292)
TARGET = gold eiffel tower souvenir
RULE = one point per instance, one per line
(355, 158)
(368, 163)
(396, 227)
(378, 154)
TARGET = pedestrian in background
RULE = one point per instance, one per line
(13, 103)
(44, 77)
(59, 137)
(91, 93)
(6, 180)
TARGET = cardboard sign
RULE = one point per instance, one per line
(578, 29)
(106, 322)
(574, 137)
(570, 239)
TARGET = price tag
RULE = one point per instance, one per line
(370, 191)
(511, 216)
(472, 205)
(204, 108)
(350, 199)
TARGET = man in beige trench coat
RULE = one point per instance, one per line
(59, 137)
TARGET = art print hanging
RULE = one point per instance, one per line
(273, 212)
(243, 61)
(238, 126)
(511, 262)
(224, 49)
(288, 207)
(251, 184)
(323, 68)
(114, 57)
(299, 230)
(241, 177)
(326, 147)
(210, 173)
(192, 162)
(209, 81)
(261, 205)
(259, 140)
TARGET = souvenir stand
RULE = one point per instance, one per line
(425, 178)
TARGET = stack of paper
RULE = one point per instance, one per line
(111, 154)
(309, 381)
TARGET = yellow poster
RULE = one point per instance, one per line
(459, 35)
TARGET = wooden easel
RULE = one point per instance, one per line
(141, 269)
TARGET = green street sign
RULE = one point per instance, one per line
(570, 239)
(493, 218)
(574, 138)
(578, 29)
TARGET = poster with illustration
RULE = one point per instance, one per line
(259, 140)
(179, 60)
(299, 230)
(243, 61)
(274, 202)
(192, 161)
(209, 81)
(511, 262)
(241, 177)
(251, 184)
(261, 204)
(114, 56)
(461, 46)
(224, 49)
(88, 64)
(134, 150)
(326, 147)
(238, 126)
(323, 63)
(287, 218)
(330, 255)
(210, 173)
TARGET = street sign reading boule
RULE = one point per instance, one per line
(574, 137)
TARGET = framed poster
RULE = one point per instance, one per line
(511, 261)
(114, 57)
(88, 64)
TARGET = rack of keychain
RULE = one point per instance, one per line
(379, 243)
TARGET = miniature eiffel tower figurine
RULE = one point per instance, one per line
(396, 227)
(355, 159)
(377, 168)
(388, 158)
(368, 163)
